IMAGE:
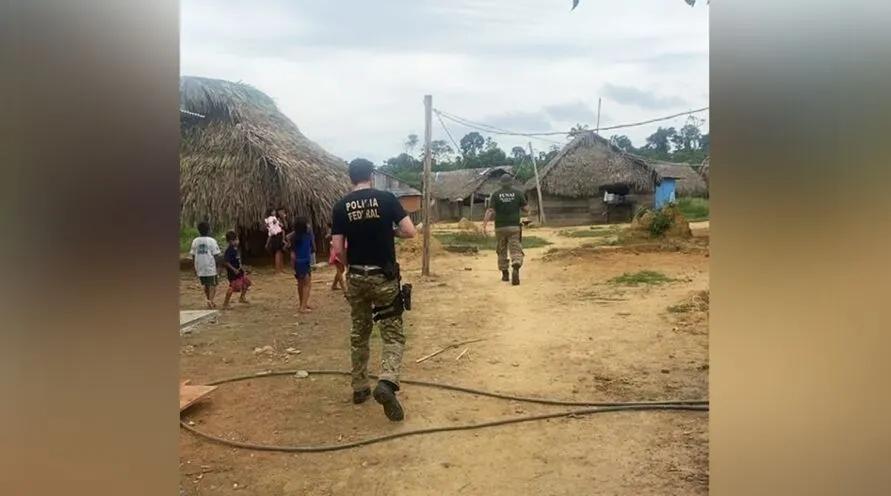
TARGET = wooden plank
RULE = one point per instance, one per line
(189, 395)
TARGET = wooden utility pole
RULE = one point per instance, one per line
(428, 164)
(597, 129)
(541, 213)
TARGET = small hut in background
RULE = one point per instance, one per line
(688, 183)
(409, 197)
(241, 156)
(463, 193)
(592, 182)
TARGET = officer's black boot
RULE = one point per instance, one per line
(505, 276)
(515, 276)
(360, 397)
(385, 394)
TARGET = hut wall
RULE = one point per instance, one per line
(565, 211)
(447, 211)
(411, 204)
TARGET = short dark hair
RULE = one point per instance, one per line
(270, 211)
(231, 236)
(204, 228)
(361, 170)
(301, 226)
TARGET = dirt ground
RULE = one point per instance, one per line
(564, 333)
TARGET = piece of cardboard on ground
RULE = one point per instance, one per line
(189, 394)
(191, 319)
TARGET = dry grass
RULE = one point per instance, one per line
(246, 156)
(590, 162)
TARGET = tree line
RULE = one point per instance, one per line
(684, 145)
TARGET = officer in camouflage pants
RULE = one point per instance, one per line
(365, 219)
(505, 206)
(364, 293)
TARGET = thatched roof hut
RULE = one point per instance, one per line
(590, 164)
(575, 183)
(688, 183)
(459, 185)
(243, 156)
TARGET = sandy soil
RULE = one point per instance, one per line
(563, 333)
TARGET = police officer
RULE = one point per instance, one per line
(365, 220)
(505, 206)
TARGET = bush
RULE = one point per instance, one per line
(694, 209)
(661, 223)
(187, 234)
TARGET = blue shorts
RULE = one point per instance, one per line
(302, 269)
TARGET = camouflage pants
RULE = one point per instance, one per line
(364, 292)
(508, 239)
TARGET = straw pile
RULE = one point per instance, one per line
(467, 225)
(412, 248)
(678, 226)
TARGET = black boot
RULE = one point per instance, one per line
(385, 394)
(360, 397)
(505, 276)
(515, 276)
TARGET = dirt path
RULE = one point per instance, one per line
(563, 333)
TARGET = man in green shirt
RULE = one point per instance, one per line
(505, 206)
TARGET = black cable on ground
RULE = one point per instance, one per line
(596, 407)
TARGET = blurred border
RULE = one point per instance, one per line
(800, 234)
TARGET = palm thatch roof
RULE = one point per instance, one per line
(688, 183)
(458, 185)
(703, 170)
(245, 156)
(590, 163)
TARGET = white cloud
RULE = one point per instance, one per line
(353, 77)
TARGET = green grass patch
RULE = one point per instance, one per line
(694, 209)
(483, 242)
(587, 233)
(641, 277)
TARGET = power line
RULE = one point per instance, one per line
(446, 129)
(492, 129)
(495, 130)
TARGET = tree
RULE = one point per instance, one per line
(411, 143)
(622, 142)
(440, 149)
(577, 130)
(518, 153)
(688, 137)
(471, 144)
(660, 141)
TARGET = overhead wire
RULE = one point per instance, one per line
(495, 130)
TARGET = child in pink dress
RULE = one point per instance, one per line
(339, 279)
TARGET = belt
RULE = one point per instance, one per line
(365, 270)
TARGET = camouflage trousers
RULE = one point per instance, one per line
(508, 239)
(363, 293)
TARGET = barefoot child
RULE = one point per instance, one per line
(302, 248)
(205, 252)
(339, 280)
(275, 238)
(239, 282)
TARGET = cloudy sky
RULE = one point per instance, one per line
(352, 73)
